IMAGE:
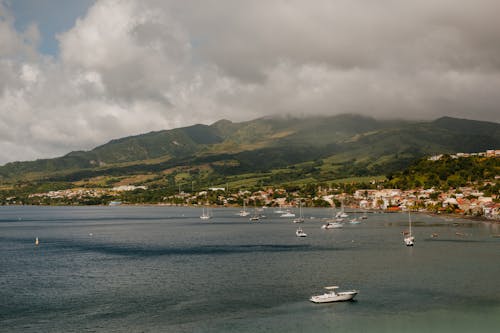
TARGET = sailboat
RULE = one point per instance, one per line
(244, 211)
(205, 215)
(341, 214)
(335, 222)
(255, 216)
(299, 219)
(409, 240)
(354, 220)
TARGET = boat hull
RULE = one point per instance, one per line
(409, 241)
(334, 297)
(332, 225)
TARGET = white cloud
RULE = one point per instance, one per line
(130, 66)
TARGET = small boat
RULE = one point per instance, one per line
(409, 240)
(287, 214)
(205, 215)
(299, 219)
(332, 225)
(37, 242)
(354, 220)
(243, 212)
(341, 214)
(255, 215)
(333, 296)
(300, 233)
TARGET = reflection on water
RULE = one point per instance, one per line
(148, 269)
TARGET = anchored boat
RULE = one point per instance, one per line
(331, 295)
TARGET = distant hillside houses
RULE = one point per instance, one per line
(488, 153)
(464, 200)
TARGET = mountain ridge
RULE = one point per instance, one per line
(367, 145)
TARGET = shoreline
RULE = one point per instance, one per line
(369, 211)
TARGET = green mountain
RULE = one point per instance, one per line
(266, 150)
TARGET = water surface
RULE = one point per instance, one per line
(162, 269)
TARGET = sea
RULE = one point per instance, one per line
(163, 269)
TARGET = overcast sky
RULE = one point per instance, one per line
(75, 74)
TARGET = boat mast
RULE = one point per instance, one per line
(409, 220)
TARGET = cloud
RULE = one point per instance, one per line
(130, 66)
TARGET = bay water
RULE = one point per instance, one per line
(163, 269)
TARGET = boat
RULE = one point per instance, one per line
(409, 240)
(354, 221)
(331, 295)
(205, 215)
(255, 215)
(254, 218)
(332, 225)
(279, 211)
(244, 211)
(287, 213)
(37, 242)
(299, 219)
(341, 214)
(300, 233)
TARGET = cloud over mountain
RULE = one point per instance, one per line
(130, 66)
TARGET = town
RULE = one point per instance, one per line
(478, 198)
(466, 201)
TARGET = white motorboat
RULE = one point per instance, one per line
(409, 240)
(332, 225)
(331, 295)
(300, 233)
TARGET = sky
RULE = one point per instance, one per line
(75, 74)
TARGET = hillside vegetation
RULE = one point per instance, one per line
(265, 151)
(449, 172)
